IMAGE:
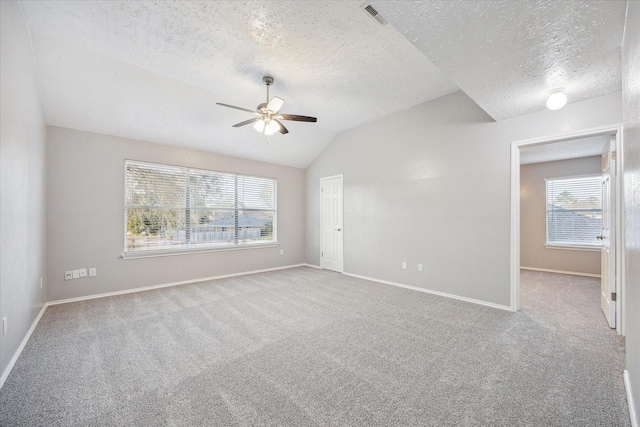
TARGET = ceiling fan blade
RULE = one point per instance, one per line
(297, 118)
(283, 130)
(247, 122)
(237, 108)
(275, 104)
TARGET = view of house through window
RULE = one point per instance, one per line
(574, 210)
(176, 208)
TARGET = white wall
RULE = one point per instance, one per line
(86, 220)
(631, 108)
(533, 218)
(431, 185)
(22, 185)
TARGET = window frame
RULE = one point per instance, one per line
(596, 246)
(206, 247)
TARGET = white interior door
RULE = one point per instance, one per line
(608, 253)
(332, 226)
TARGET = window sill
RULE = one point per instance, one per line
(574, 247)
(161, 253)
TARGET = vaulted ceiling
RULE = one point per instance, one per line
(153, 70)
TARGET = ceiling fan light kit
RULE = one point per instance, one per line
(269, 116)
(268, 127)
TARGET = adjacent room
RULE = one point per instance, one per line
(320, 213)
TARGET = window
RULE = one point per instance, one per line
(176, 209)
(574, 211)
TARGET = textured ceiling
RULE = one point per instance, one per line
(507, 55)
(562, 150)
(154, 70)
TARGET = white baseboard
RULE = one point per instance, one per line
(572, 273)
(166, 285)
(635, 422)
(18, 352)
(429, 291)
(313, 266)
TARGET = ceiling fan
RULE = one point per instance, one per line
(269, 116)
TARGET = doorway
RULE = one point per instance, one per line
(332, 229)
(616, 283)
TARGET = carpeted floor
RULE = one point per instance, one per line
(305, 347)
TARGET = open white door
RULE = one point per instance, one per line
(332, 227)
(608, 253)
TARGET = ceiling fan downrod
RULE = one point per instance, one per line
(267, 80)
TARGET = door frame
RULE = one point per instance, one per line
(619, 216)
(322, 213)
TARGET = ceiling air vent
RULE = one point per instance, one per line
(374, 13)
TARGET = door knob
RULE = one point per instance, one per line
(600, 237)
(338, 229)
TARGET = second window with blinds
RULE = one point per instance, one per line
(172, 209)
(574, 211)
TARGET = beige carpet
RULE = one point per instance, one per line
(305, 347)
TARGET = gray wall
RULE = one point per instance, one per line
(631, 102)
(431, 185)
(533, 218)
(86, 221)
(22, 185)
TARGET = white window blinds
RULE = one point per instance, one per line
(574, 210)
(171, 208)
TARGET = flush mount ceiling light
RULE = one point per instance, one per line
(269, 116)
(557, 99)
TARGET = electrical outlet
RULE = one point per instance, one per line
(76, 274)
(92, 272)
(404, 265)
(4, 326)
(419, 267)
(83, 272)
(68, 275)
(281, 251)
